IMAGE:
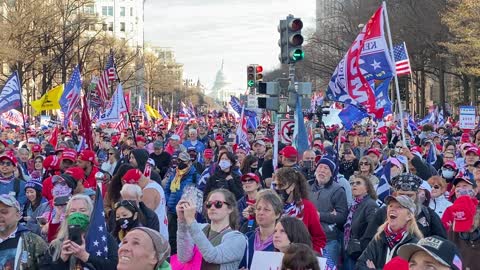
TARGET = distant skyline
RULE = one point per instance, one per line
(240, 32)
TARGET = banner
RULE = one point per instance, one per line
(113, 113)
(13, 117)
(265, 260)
(49, 101)
(10, 97)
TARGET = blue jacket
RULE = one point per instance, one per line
(10, 187)
(173, 197)
(248, 256)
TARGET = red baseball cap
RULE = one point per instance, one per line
(374, 151)
(132, 176)
(69, 154)
(9, 156)
(474, 150)
(250, 176)
(416, 149)
(450, 164)
(289, 152)
(464, 210)
(208, 153)
(51, 162)
(219, 138)
(465, 138)
(76, 172)
(87, 155)
(141, 139)
(36, 148)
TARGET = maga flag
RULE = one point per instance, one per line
(366, 60)
(152, 112)
(10, 97)
(49, 101)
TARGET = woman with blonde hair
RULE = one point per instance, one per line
(439, 202)
(366, 167)
(69, 251)
(400, 228)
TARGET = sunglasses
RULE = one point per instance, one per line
(248, 181)
(356, 183)
(5, 163)
(436, 187)
(124, 203)
(363, 163)
(217, 204)
(111, 154)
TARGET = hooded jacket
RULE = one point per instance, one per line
(141, 156)
(172, 198)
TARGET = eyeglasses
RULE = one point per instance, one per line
(7, 163)
(436, 187)
(364, 164)
(111, 154)
(217, 204)
(248, 180)
(356, 183)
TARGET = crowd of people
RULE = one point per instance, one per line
(195, 199)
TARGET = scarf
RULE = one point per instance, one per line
(392, 237)
(348, 225)
(175, 185)
(6, 180)
(258, 244)
(293, 210)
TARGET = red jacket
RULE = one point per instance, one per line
(312, 222)
(91, 182)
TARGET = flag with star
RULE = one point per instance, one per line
(96, 238)
(402, 62)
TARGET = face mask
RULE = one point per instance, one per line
(182, 165)
(215, 130)
(283, 194)
(224, 164)
(253, 169)
(61, 190)
(448, 174)
(126, 223)
(193, 157)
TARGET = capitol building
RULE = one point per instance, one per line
(222, 88)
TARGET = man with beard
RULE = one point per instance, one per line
(428, 221)
(17, 243)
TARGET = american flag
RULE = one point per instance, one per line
(111, 67)
(402, 62)
(71, 95)
(96, 238)
(383, 188)
(330, 264)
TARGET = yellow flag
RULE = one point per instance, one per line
(49, 101)
(152, 112)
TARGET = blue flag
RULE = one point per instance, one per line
(11, 97)
(71, 95)
(383, 188)
(431, 155)
(96, 237)
(300, 136)
(351, 115)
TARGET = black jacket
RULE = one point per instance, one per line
(428, 222)
(424, 170)
(162, 162)
(217, 180)
(376, 252)
(364, 214)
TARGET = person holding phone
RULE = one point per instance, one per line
(220, 244)
(246, 204)
(68, 249)
(35, 207)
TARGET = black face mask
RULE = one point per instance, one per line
(253, 169)
(182, 165)
(126, 223)
(283, 194)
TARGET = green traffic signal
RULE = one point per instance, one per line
(298, 54)
(251, 83)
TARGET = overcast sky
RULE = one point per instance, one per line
(203, 32)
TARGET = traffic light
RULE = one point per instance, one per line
(291, 40)
(251, 76)
(295, 39)
(269, 88)
(258, 74)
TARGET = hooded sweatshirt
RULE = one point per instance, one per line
(141, 156)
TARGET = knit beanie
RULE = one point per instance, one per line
(161, 246)
(36, 185)
(327, 160)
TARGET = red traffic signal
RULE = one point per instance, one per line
(259, 69)
(295, 25)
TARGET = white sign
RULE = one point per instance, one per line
(286, 130)
(252, 101)
(467, 117)
(270, 260)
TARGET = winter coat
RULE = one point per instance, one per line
(439, 205)
(364, 214)
(247, 258)
(379, 253)
(173, 198)
(218, 180)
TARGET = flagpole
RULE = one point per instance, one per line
(21, 106)
(399, 103)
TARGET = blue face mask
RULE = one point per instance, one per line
(224, 164)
